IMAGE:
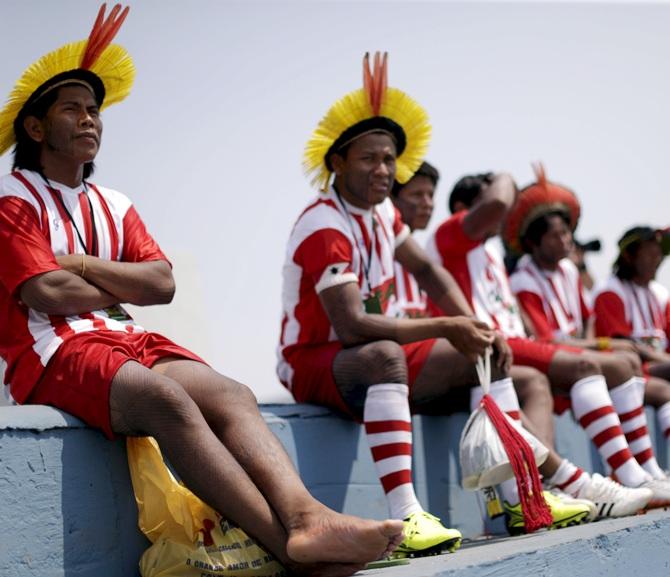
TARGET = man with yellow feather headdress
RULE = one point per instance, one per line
(72, 253)
(342, 344)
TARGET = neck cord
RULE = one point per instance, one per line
(94, 232)
(373, 240)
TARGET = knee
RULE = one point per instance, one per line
(536, 388)
(167, 399)
(386, 363)
(585, 366)
(634, 362)
(237, 394)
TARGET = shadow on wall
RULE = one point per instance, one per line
(94, 492)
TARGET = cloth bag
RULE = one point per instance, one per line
(494, 448)
(189, 538)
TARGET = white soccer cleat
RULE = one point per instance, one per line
(612, 499)
(661, 492)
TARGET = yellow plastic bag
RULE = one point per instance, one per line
(189, 538)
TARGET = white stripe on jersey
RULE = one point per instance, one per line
(46, 339)
(39, 324)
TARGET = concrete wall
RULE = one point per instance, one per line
(67, 507)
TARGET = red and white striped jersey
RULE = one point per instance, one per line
(479, 270)
(412, 301)
(333, 243)
(625, 309)
(34, 229)
(553, 300)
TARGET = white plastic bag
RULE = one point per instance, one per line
(484, 461)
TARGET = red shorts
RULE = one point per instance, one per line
(537, 354)
(313, 380)
(79, 375)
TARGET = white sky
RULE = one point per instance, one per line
(209, 144)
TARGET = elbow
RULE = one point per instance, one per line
(161, 293)
(352, 334)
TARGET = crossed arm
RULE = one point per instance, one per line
(105, 283)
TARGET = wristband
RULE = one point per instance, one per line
(603, 343)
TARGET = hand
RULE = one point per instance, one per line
(504, 357)
(623, 345)
(71, 262)
(469, 336)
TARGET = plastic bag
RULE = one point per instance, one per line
(189, 538)
(484, 461)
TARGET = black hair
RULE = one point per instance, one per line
(369, 125)
(426, 169)
(539, 227)
(27, 152)
(467, 189)
(631, 240)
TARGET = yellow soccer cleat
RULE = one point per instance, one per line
(425, 535)
(565, 512)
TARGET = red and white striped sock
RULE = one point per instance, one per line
(628, 400)
(568, 478)
(663, 417)
(593, 409)
(388, 426)
(504, 395)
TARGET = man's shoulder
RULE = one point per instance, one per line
(521, 280)
(321, 213)
(612, 285)
(114, 199)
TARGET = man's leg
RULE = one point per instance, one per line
(657, 394)
(373, 380)
(143, 401)
(534, 393)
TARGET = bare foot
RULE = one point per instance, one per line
(326, 536)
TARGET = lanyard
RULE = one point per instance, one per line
(55, 193)
(543, 279)
(373, 241)
(654, 322)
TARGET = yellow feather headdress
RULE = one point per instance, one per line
(107, 69)
(373, 107)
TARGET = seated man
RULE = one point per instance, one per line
(632, 305)
(466, 245)
(74, 251)
(548, 287)
(343, 343)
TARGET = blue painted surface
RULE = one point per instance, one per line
(67, 507)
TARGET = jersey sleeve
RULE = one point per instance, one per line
(325, 257)
(25, 249)
(138, 244)
(587, 313)
(531, 303)
(451, 240)
(400, 229)
(611, 316)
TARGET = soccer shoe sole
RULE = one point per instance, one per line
(448, 546)
(576, 519)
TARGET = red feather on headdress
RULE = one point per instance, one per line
(102, 34)
(539, 198)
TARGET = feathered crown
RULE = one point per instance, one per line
(105, 68)
(371, 108)
(535, 200)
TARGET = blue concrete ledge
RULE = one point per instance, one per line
(67, 506)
